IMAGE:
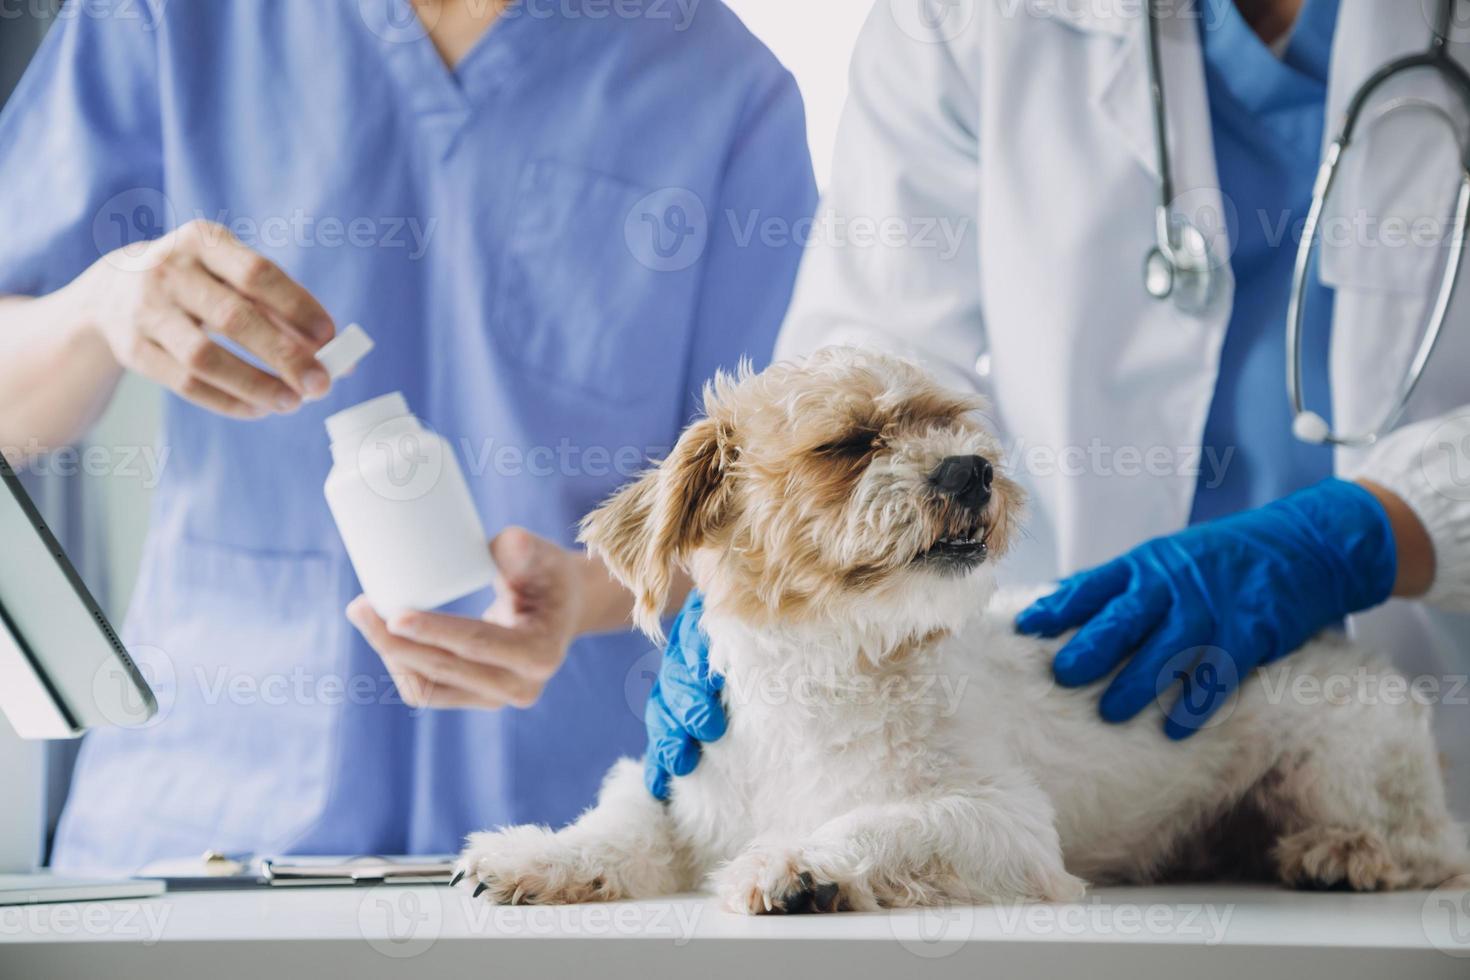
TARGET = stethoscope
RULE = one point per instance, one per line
(1180, 266)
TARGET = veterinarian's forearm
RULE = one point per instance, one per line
(607, 606)
(1415, 549)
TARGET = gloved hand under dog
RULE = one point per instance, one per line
(684, 707)
(1207, 605)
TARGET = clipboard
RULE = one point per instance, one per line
(216, 870)
(296, 872)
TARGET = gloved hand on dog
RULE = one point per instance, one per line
(684, 708)
(1207, 605)
(1204, 606)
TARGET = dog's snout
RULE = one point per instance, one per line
(965, 480)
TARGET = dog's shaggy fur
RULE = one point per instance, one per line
(892, 742)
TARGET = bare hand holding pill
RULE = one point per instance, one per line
(159, 315)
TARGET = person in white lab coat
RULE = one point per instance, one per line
(1141, 429)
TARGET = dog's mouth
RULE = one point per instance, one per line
(956, 554)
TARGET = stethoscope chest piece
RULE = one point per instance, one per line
(1158, 274)
(1181, 268)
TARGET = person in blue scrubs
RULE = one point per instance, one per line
(536, 211)
(1268, 116)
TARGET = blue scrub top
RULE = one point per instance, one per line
(1267, 115)
(550, 245)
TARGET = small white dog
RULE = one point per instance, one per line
(891, 742)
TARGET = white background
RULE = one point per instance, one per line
(814, 39)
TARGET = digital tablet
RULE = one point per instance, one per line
(62, 668)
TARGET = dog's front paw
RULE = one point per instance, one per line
(777, 881)
(529, 866)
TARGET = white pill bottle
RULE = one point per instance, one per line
(403, 509)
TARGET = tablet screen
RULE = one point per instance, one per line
(51, 621)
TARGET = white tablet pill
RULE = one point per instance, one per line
(346, 349)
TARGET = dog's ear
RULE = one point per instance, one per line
(644, 530)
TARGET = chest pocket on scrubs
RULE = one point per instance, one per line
(578, 301)
(245, 649)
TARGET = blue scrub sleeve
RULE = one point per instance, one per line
(81, 148)
(757, 231)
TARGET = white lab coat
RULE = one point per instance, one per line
(1026, 126)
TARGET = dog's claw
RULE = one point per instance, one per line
(458, 877)
(479, 888)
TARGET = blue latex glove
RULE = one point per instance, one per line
(684, 707)
(1204, 607)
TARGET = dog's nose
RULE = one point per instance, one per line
(965, 479)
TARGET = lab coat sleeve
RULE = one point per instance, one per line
(80, 147)
(766, 198)
(894, 261)
(1427, 464)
